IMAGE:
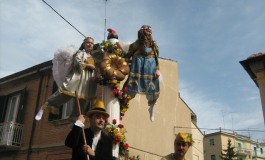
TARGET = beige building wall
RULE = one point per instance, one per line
(151, 140)
(197, 146)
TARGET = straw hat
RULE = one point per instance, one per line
(98, 107)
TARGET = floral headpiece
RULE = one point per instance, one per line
(184, 137)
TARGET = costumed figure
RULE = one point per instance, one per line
(80, 78)
(144, 70)
(113, 69)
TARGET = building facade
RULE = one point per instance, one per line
(255, 67)
(24, 138)
(258, 149)
(245, 148)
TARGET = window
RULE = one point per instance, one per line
(213, 157)
(11, 109)
(211, 142)
(239, 145)
(11, 118)
(64, 111)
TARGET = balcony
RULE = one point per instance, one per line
(10, 135)
(243, 152)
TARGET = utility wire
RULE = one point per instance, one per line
(63, 18)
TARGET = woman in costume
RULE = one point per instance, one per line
(80, 79)
(144, 70)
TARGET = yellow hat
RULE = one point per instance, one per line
(98, 107)
(184, 137)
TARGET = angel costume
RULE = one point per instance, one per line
(79, 79)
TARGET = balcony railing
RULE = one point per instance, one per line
(243, 151)
(10, 134)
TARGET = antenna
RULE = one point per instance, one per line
(232, 117)
(105, 25)
(223, 118)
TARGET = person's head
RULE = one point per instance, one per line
(97, 116)
(145, 33)
(182, 143)
(87, 44)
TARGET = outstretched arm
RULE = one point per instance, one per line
(73, 138)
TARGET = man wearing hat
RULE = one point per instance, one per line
(99, 145)
(182, 143)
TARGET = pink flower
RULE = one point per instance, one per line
(120, 94)
(126, 146)
(120, 125)
(115, 91)
(125, 89)
(116, 140)
(114, 121)
(126, 100)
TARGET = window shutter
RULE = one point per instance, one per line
(20, 114)
(3, 105)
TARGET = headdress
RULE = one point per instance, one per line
(141, 33)
(184, 137)
(112, 34)
(146, 27)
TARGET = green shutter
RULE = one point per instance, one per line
(3, 106)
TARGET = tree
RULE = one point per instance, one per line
(229, 153)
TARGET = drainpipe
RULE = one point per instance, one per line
(36, 109)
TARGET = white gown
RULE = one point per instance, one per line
(113, 108)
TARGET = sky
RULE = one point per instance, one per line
(207, 38)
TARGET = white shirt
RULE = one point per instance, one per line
(95, 141)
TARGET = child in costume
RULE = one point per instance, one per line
(144, 70)
(80, 79)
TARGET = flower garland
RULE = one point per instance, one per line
(121, 95)
(117, 133)
(112, 48)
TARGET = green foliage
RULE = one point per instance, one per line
(229, 153)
